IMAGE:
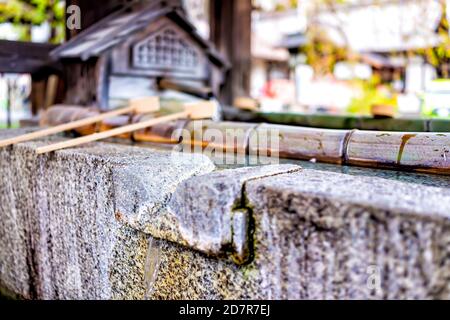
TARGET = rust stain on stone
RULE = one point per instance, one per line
(119, 216)
(405, 140)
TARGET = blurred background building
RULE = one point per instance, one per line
(337, 57)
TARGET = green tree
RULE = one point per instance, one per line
(24, 14)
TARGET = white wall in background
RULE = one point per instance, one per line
(41, 33)
(303, 78)
(198, 14)
(38, 33)
(418, 75)
(20, 86)
(349, 71)
(8, 32)
(384, 26)
(408, 104)
(258, 77)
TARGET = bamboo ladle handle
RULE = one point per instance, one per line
(197, 110)
(144, 105)
(110, 133)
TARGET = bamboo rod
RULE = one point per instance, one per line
(198, 110)
(145, 105)
(64, 127)
(110, 133)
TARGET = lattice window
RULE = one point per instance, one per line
(165, 49)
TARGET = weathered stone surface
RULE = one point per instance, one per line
(321, 235)
(326, 236)
(187, 274)
(208, 210)
(142, 191)
(109, 221)
(442, 181)
(59, 237)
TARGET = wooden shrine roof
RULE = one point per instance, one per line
(115, 28)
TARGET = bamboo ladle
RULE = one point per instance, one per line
(137, 106)
(193, 111)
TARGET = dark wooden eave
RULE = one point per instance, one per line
(26, 57)
(89, 44)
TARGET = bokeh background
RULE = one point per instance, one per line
(314, 56)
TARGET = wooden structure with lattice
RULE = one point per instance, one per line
(134, 50)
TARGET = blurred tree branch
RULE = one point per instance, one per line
(321, 52)
(439, 56)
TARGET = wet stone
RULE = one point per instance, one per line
(110, 221)
(63, 234)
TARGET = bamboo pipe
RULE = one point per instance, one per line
(422, 152)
